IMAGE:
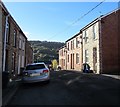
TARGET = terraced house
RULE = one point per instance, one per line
(13, 45)
(100, 46)
(62, 57)
(74, 52)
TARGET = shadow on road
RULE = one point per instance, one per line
(36, 84)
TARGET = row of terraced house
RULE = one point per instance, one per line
(15, 50)
(97, 44)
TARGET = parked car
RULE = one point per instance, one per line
(59, 67)
(36, 72)
(48, 64)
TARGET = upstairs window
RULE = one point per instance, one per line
(20, 41)
(7, 32)
(68, 46)
(73, 44)
(86, 36)
(77, 42)
(23, 45)
(14, 38)
(94, 32)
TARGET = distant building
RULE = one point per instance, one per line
(74, 52)
(62, 57)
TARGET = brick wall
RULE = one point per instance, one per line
(72, 52)
(62, 58)
(119, 38)
(29, 53)
(110, 42)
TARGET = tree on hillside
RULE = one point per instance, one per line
(45, 51)
(54, 64)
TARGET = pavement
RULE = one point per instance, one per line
(9, 91)
(113, 76)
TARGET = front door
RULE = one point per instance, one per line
(95, 60)
(71, 61)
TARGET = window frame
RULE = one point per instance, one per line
(77, 58)
(86, 56)
(14, 37)
(7, 32)
(94, 32)
(86, 36)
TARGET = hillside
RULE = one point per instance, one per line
(45, 51)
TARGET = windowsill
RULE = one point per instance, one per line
(95, 39)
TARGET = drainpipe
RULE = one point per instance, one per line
(100, 46)
(4, 49)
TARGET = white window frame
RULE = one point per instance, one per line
(20, 42)
(73, 44)
(68, 46)
(14, 37)
(23, 45)
(94, 32)
(7, 32)
(77, 42)
(86, 36)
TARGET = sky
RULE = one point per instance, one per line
(52, 21)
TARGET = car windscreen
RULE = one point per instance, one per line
(34, 67)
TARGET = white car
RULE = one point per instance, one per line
(36, 72)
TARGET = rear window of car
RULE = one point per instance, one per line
(34, 67)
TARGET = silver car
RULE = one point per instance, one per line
(36, 72)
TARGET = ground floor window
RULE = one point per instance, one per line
(77, 58)
(86, 56)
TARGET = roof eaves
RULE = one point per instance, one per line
(5, 9)
(73, 37)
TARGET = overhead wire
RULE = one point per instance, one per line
(76, 20)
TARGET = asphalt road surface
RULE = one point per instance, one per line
(70, 88)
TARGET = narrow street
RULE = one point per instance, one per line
(70, 88)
